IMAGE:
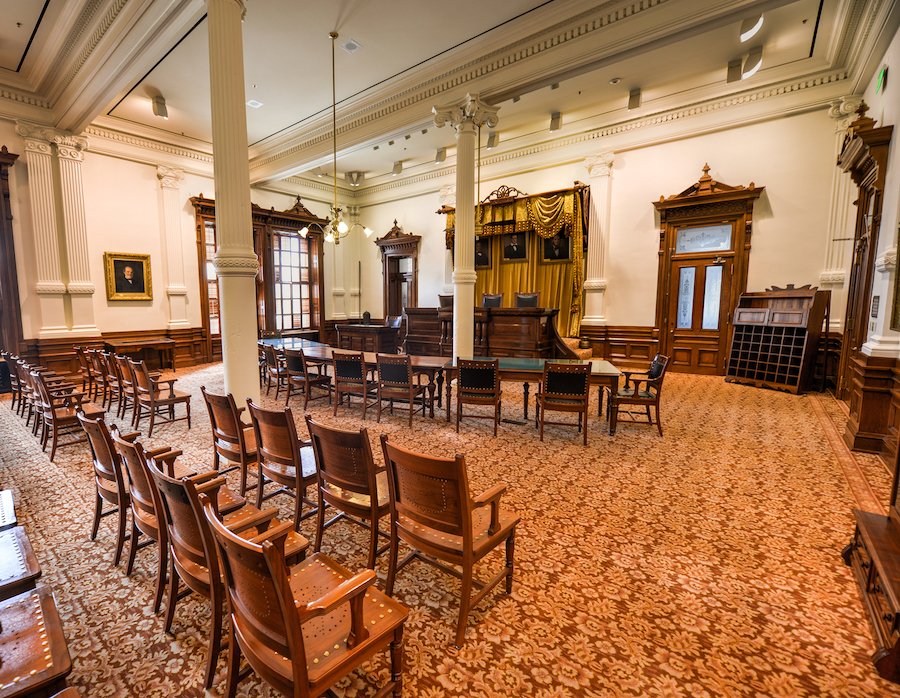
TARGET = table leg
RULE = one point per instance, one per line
(440, 384)
(449, 383)
(525, 394)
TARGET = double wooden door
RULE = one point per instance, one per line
(699, 313)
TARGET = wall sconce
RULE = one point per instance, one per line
(555, 121)
(398, 168)
(492, 140)
(750, 26)
(440, 156)
(734, 70)
(753, 62)
(159, 107)
(354, 179)
(634, 98)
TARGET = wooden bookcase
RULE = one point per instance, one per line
(775, 338)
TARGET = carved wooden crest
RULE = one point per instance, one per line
(398, 242)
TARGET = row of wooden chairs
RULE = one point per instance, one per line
(394, 380)
(207, 535)
(130, 383)
(52, 401)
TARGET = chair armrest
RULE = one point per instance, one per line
(492, 497)
(275, 535)
(165, 455)
(260, 520)
(350, 590)
(204, 482)
(130, 436)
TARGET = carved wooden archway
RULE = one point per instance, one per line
(394, 246)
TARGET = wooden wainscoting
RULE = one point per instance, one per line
(872, 381)
(623, 345)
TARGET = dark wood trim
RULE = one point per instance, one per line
(10, 308)
(871, 384)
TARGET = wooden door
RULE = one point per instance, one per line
(699, 314)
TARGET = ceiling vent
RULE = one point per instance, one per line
(253, 103)
(351, 46)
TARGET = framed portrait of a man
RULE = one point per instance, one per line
(482, 253)
(556, 249)
(515, 247)
(127, 277)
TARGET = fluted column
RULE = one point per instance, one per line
(50, 288)
(70, 151)
(467, 116)
(176, 291)
(841, 216)
(600, 168)
(235, 261)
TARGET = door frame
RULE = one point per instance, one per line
(707, 202)
(397, 244)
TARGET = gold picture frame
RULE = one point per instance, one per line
(127, 276)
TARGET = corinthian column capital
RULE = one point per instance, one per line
(470, 109)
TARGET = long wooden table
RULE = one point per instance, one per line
(165, 347)
(431, 366)
(603, 373)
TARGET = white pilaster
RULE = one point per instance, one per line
(841, 216)
(600, 168)
(50, 288)
(176, 291)
(70, 151)
(467, 116)
(235, 261)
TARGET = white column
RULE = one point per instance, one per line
(467, 116)
(50, 288)
(176, 291)
(841, 216)
(235, 261)
(70, 151)
(600, 168)
(448, 195)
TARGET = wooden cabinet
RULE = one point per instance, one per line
(775, 339)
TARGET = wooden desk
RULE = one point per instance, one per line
(377, 338)
(19, 567)
(431, 366)
(165, 348)
(32, 646)
(603, 373)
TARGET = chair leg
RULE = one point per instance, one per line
(132, 549)
(172, 596)
(373, 542)
(215, 638)
(160, 575)
(658, 423)
(392, 561)
(510, 565)
(464, 601)
(234, 663)
(98, 506)
(320, 522)
(120, 534)
(152, 419)
(55, 428)
(260, 482)
(397, 662)
(188, 406)
(585, 425)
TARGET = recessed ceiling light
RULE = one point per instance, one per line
(615, 81)
(253, 103)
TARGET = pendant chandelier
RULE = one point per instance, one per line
(336, 228)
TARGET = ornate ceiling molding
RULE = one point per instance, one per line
(146, 143)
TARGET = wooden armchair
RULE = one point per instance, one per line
(643, 397)
(478, 383)
(397, 382)
(156, 400)
(528, 300)
(58, 405)
(563, 388)
(232, 439)
(300, 376)
(274, 370)
(193, 559)
(282, 458)
(110, 479)
(445, 301)
(350, 482)
(10, 362)
(270, 604)
(84, 370)
(433, 512)
(100, 375)
(352, 378)
(491, 300)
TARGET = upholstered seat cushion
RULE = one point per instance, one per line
(629, 392)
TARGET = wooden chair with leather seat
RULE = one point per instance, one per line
(396, 382)
(643, 397)
(478, 383)
(564, 388)
(274, 370)
(233, 440)
(349, 481)
(434, 514)
(110, 479)
(59, 405)
(282, 458)
(157, 400)
(347, 620)
(10, 362)
(491, 300)
(351, 377)
(445, 301)
(528, 300)
(305, 380)
(193, 559)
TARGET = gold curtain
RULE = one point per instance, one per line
(538, 218)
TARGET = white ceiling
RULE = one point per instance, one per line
(414, 55)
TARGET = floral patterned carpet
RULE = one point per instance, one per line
(705, 563)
